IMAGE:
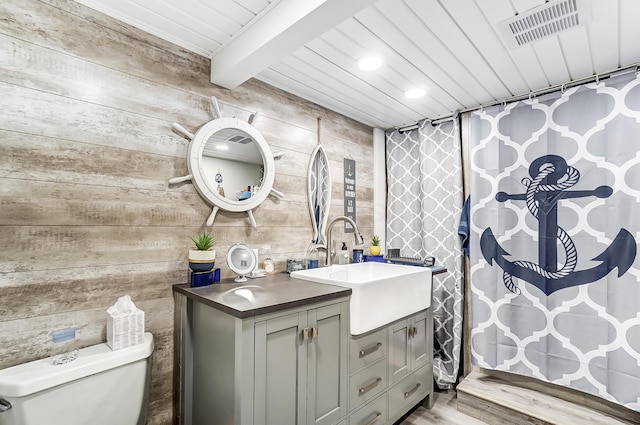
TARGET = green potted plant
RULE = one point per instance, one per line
(374, 249)
(202, 256)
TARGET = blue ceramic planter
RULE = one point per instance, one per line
(201, 267)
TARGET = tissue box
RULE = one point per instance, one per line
(124, 328)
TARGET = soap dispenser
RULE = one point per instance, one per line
(343, 258)
(312, 256)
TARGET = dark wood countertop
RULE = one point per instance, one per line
(267, 294)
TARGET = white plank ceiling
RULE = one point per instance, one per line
(451, 48)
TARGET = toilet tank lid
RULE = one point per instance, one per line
(38, 375)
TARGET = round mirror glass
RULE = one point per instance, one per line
(231, 164)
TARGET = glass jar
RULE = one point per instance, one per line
(269, 266)
(64, 347)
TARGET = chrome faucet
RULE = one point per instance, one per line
(359, 240)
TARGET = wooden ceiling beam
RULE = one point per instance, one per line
(282, 28)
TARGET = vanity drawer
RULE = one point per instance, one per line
(367, 383)
(367, 349)
(410, 390)
(374, 413)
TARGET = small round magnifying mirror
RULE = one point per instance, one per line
(241, 260)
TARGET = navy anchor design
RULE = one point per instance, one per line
(551, 178)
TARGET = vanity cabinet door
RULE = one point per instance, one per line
(399, 359)
(420, 336)
(410, 345)
(301, 367)
(410, 362)
(280, 370)
(327, 350)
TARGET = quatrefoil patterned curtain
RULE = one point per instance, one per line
(424, 201)
(555, 220)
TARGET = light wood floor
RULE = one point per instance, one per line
(444, 412)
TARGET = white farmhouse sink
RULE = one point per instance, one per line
(381, 292)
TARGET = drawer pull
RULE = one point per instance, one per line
(408, 393)
(375, 419)
(369, 387)
(370, 350)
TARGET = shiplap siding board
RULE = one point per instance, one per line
(629, 31)
(86, 152)
(385, 80)
(317, 55)
(416, 42)
(576, 52)
(525, 57)
(441, 22)
(280, 78)
(488, 44)
(337, 89)
(604, 36)
(407, 74)
(555, 70)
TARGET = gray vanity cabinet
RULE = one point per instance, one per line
(301, 367)
(286, 357)
(286, 367)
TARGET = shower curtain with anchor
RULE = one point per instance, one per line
(424, 201)
(555, 222)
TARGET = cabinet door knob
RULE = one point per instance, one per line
(375, 419)
(369, 387)
(369, 350)
(305, 334)
(413, 390)
(315, 332)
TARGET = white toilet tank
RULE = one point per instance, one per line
(100, 387)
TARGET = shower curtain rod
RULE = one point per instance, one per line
(530, 95)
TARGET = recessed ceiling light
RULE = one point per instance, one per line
(414, 93)
(369, 63)
(222, 147)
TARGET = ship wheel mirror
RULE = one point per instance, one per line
(230, 165)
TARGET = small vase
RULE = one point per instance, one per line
(374, 250)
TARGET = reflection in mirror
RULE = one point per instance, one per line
(232, 160)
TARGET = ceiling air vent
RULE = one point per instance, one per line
(243, 140)
(551, 18)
